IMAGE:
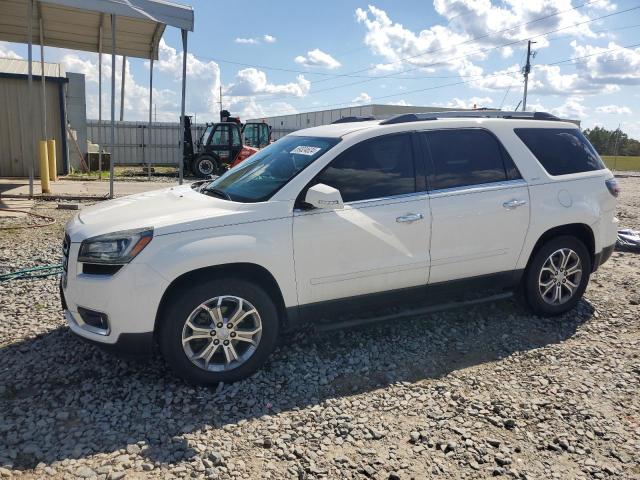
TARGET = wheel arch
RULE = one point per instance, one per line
(248, 271)
(581, 231)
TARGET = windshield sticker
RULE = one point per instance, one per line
(305, 150)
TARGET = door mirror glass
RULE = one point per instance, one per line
(324, 196)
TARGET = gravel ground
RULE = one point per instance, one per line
(488, 391)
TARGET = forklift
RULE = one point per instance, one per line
(222, 145)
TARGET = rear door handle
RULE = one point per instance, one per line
(410, 217)
(511, 204)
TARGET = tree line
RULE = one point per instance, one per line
(612, 142)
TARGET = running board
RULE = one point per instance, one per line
(408, 313)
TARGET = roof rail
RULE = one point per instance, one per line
(352, 119)
(419, 117)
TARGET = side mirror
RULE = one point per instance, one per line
(324, 196)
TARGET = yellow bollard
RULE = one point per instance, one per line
(44, 167)
(51, 154)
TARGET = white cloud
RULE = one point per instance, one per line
(247, 41)
(473, 102)
(402, 103)
(476, 18)
(614, 109)
(251, 81)
(619, 66)
(248, 108)
(602, 71)
(203, 80)
(465, 32)
(318, 58)
(269, 38)
(363, 98)
(571, 108)
(6, 52)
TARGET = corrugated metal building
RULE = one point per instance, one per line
(285, 124)
(16, 127)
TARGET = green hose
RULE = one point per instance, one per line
(32, 273)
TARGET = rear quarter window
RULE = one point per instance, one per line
(561, 151)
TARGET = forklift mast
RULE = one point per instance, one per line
(187, 145)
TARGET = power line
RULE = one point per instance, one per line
(483, 50)
(354, 74)
(473, 39)
(435, 87)
(445, 61)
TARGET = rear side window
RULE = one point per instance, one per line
(377, 168)
(561, 150)
(467, 157)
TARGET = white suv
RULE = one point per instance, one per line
(352, 219)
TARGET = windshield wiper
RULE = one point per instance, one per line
(217, 192)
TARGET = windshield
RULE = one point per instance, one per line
(264, 173)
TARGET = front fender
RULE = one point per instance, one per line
(267, 244)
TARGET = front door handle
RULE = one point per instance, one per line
(410, 217)
(511, 204)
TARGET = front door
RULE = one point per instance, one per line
(380, 240)
(479, 203)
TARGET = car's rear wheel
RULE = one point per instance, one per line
(557, 276)
(219, 331)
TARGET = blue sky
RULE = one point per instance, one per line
(291, 56)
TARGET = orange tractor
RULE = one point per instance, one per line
(223, 145)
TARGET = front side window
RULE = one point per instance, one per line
(464, 158)
(377, 168)
(236, 137)
(561, 150)
(267, 171)
(221, 135)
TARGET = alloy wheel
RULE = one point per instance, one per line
(221, 333)
(560, 276)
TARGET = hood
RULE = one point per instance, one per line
(170, 210)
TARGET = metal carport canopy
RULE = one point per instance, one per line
(81, 25)
(74, 24)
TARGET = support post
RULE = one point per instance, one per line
(184, 91)
(32, 149)
(122, 82)
(113, 102)
(42, 76)
(99, 101)
(150, 112)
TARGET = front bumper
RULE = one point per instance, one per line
(129, 299)
(127, 344)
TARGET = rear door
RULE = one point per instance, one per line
(479, 204)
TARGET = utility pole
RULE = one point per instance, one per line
(526, 71)
(220, 97)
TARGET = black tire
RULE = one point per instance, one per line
(530, 287)
(205, 166)
(184, 301)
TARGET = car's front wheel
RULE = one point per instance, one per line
(219, 331)
(557, 276)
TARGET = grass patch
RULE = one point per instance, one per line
(622, 163)
(124, 172)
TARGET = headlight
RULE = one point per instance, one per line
(118, 247)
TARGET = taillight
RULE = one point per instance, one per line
(613, 186)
